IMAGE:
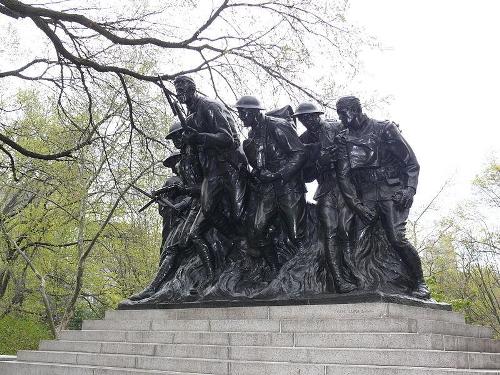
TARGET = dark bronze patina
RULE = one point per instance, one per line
(236, 225)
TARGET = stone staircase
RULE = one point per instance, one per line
(342, 339)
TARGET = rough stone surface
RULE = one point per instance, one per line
(356, 339)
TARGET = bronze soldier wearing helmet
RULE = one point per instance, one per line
(333, 214)
(277, 155)
(174, 219)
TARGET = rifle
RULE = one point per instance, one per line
(174, 104)
(179, 113)
(161, 200)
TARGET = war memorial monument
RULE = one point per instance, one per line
(253, 279)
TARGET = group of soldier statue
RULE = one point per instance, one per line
(237, 224)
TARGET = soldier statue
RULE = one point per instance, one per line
(277, 156)
(174, 218)
(333, 214)
(212, 133)
(384, 169)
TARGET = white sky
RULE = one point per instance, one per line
(440, 65)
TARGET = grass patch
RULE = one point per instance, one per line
(19, 333)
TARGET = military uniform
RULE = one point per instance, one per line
(219, 156)
(189, 170)
(222, 188)
(273, 145)
(333, 214)
(172, 220)
(381, 164)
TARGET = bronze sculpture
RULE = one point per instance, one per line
(212, 133)
(333, 214)
(276, 154)
(385, 171)
(235, 224)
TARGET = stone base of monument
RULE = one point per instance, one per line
(367, 338)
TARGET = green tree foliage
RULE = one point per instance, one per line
(462, 253)
(69, 227)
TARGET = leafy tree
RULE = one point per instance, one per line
(462, 252)
(66, 223)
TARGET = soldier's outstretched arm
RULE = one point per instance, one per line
(294, 165)
(183, 204)
(346, 186)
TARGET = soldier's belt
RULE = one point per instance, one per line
(374, 175)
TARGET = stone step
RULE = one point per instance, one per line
(397, 341)
(291, 326)
(306, 312)
(79, 339)
(272, 368)
(196, 365)
(8, 357)
(363, 356)
(39, 368)
(397, 370)
(235, 368)
(210, 358)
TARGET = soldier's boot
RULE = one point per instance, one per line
(153, 287)
(206, 258)
(413, 262)
(421, 290)
(333, 259)
(168, 250)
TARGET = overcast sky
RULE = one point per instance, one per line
(440, 65)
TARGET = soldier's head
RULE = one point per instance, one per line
(309, 115)
(249, 110)
(349, 111)
(185, 88)
(175, 134)
(172, 183)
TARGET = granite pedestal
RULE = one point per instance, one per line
(314, 336)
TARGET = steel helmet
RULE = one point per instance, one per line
(173, 181)
(248, 101)
(172, 160)
(175, 127)
(306, 107)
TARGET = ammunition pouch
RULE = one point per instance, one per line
(391, 175)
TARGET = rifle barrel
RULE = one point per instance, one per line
(149, 195)
(146, 205)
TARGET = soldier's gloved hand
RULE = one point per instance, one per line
(366, 215)
(192, 137)
(404, 197)
(268, 176)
